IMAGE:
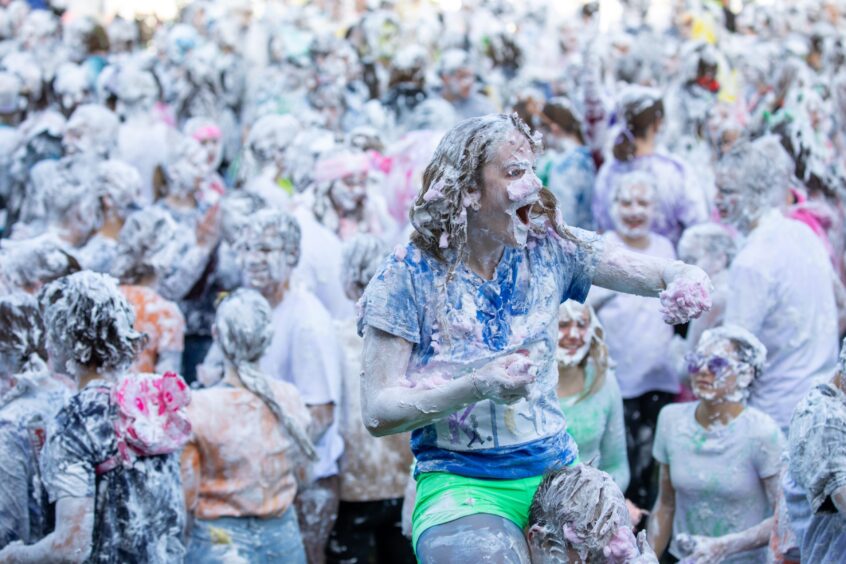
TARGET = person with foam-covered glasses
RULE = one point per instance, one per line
(719, 458)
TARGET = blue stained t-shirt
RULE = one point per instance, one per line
(469, 321)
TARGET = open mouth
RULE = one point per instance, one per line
(522, 214)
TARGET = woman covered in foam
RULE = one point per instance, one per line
(719, 458)
(461, 327)
(110, 461)
(240, 480)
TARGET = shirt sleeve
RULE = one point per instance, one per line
(576, 260)
(390, 302)
(612, 449)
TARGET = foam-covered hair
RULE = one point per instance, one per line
(22, 332)
(270, 135)
(634, 178)
(243, 326)
(90, 323)
(361, 257)
(120, 182)
(706, 239)
(761, 171)
(143, 236)
(29, 262)
(453, 179)
(99, 124)
(276, 225)
(579, 507)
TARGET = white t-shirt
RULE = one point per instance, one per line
(780, 289)
(718, 473)
(635, 332)
(305, 352)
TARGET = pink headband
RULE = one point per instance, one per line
(207, 132)
(339, 166)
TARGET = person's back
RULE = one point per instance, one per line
(242, 459)
(781, 290)
(138, 513)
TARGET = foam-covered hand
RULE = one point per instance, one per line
(705, 549)
(505, 380)
(687, 294)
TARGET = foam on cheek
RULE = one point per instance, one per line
(524, 188)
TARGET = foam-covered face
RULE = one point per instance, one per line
(729, 202)
(459, 83)
(510, 188)
(186, 173)
(264, 262)
(716, 374)
(633, 210)
(213, 149)
(350, 192)
(575, 332)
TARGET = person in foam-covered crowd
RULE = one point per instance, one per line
(30, 396)
(719, 459)
(240, 480)
(636, 335)
(110, 463)
(461, 327)
(589, 393)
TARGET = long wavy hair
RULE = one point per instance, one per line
(453, 181)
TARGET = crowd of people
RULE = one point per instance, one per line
(401, 280)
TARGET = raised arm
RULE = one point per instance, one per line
(684, 290)
(389, 407)
(69, 542)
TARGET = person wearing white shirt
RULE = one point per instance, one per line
(781, 284)
(304, 352)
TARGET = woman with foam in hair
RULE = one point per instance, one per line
(588, 391)
(30, 396)
(240, 479)
(110, 461)
(460, 330)
(679, 202)
(636, 335)
(719, 458)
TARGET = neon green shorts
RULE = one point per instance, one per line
(444, 497)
